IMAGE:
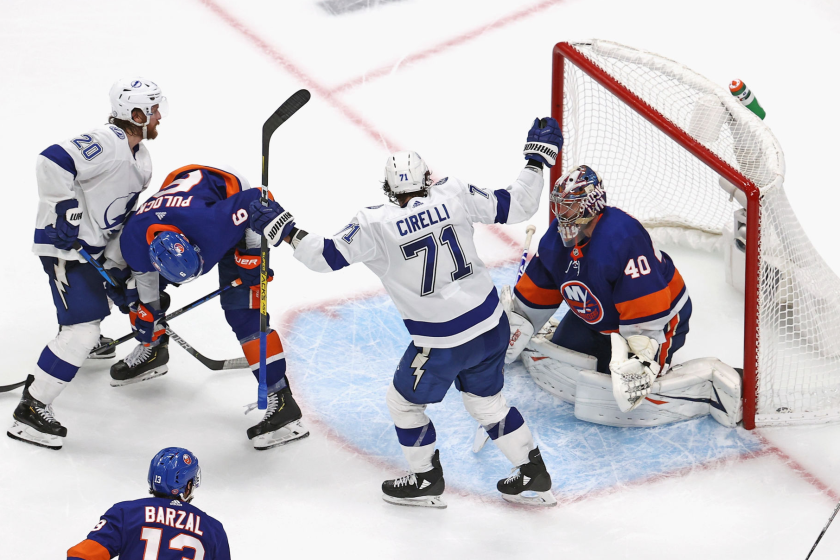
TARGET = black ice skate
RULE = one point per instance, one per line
(529, 484)
(106, 353)
(34, 422)
(417, 489)
(144, 362)
(281, 423)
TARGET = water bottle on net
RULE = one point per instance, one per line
(740, 90)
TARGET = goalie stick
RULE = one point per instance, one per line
(281, 115)
(481, 436)
(830, 519)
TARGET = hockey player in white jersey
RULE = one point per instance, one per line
(87, 186)
(422, 249)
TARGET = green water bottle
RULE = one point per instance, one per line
(740, 90)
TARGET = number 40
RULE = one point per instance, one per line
(633, 271)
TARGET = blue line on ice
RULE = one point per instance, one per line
(341, 364)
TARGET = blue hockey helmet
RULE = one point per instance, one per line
(175, 258)
(171, 471)
(578, 197)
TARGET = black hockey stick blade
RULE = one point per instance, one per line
(281, 115)
(215, 365)
(12, 387)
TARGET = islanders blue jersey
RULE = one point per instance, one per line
(154, 528)
(208, 205)
(616, 281)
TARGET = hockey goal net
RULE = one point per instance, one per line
(662, 137)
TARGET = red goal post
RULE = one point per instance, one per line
(636, 116)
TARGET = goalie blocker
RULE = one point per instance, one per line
(688, 390)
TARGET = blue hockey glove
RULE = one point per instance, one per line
(65, 232)
(148, 324)
(248, 263)
(545, 140)
(274, 222)
(124, 294)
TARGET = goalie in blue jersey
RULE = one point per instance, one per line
(629, 312)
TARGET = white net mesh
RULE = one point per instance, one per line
(661, 183)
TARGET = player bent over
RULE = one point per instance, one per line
(161, 527)
(87, 186)
(423, 251)
(200, 218)
(629, 313)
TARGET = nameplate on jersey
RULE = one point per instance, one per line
(422, 220)
(174, 201)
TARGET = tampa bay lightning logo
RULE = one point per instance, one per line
(136, 84)
(378, 206)
(118, 131)
(442, 181)
(118, 210)
(582, 301)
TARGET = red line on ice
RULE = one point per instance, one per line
(446, 45)
(375, 134)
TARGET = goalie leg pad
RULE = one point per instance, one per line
(689, 390)
(556, 369)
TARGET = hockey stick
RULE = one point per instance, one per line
(481, 435)
(91, 261)
(13, 386)
(281, 115)
(830, 519)
(215, 365)
(102, 347)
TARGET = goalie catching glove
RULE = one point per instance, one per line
(275, 223)
(634, 369)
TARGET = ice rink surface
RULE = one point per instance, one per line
(459, 81)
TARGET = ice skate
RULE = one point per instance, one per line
(35, 423)
(144, 362)
(105, 354)
(417, 489)
(529, 484)
(281, 423)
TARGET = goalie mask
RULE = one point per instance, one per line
(406, 172)
(578, 197)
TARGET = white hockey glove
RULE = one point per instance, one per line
(634, 369)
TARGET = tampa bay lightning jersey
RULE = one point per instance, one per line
(103, 173)
(156, 528)
(426, 257)
(615, 281)
(206, 204)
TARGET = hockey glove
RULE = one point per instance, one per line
(249, 263)
(148, 324)
(521, 331)
(274, 222)
(545, 140)
(65, 232)
(634, 369)
(124, 294)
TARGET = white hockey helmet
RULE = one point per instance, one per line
(128, 94)
(406, 172)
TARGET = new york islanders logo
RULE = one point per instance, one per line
(582, 301)
(187, 459)
(178, 248)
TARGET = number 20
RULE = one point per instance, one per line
(633, 272)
